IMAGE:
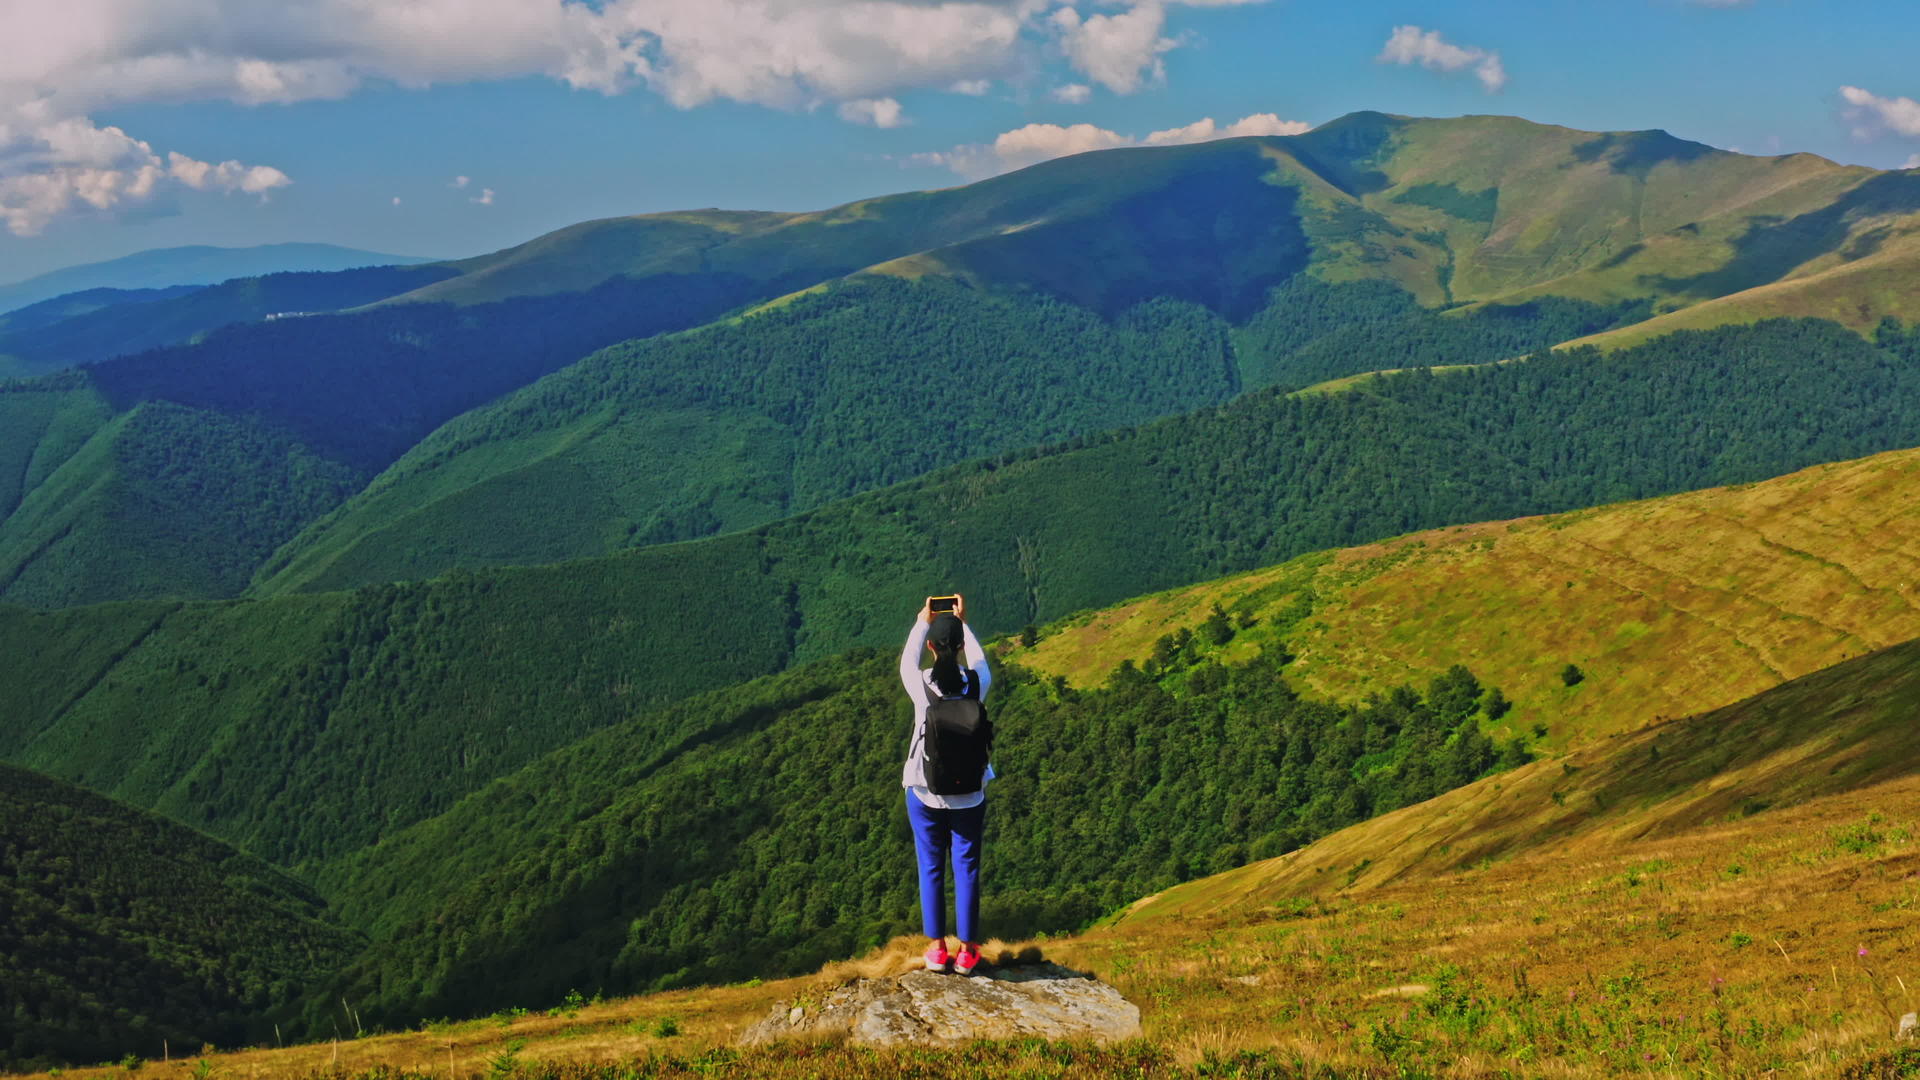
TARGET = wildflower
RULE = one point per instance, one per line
(1863, 950)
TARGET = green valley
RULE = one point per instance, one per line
(265, 707)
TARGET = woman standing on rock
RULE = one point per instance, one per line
(946, 772)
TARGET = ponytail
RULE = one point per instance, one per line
(946, 674)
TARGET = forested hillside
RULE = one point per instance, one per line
(680, 437)
(144, 514)
(759, 830)
(868, 383)
(123, 930)
(258, 717)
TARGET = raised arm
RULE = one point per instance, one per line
(977, 659)
(910, 658)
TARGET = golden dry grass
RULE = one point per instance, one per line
(1670, 606)
(1732, 894)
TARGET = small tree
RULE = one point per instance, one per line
(1218, 630)
(1497, 704)
(1029, 636)
(1572, 675)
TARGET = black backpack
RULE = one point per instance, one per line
(958, 738)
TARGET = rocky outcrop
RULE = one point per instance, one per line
(1043, 1000)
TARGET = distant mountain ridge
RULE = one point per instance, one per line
(197, 264)
(1400, 242)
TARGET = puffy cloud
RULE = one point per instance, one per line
(485, 198)
(1119, 51)
(1870, 112)
(1035, 143)
(461, 181)
(1073, 94)
(1412, 45)
(1203, 129)
(51, 166)
(396, 200)
(62, 61)
(879, 112)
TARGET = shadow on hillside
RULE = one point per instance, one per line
(1635, 153)
(1774, 245)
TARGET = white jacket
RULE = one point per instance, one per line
(919, 687)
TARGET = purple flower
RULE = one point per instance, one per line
(1863, 950)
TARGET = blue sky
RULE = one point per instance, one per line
(134, 124)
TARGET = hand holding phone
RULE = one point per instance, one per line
(939, 605)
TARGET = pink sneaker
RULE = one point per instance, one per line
(968, 959)
(937, 958)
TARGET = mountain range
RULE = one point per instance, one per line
(1313, 487)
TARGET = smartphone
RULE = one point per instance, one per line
(938, 604)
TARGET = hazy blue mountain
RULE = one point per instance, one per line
(198, 264)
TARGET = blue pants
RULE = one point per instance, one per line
(936, 833)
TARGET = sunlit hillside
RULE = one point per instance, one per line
(1667, 606)
(1692, 900)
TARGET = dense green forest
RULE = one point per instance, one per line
(224, 449)
(238, 700)
(759, 830)
(122, 929)
(164, 500)
(866, 384)
(1311, 331)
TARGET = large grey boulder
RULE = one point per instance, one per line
(1044, 1000)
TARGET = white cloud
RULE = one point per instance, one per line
(396, 200)
(1412, 45)
(1912, 162)
(1035, 143)
(1073, 94)
(878, 112)
(1120, 51)
(1870, 113)
(64, 61)
(485, 198)
(461, 181)
(49, 167)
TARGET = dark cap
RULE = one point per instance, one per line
(944, 632)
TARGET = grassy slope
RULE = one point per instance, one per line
(1470, 208)
(1836, 730)
(1697, 901)
(1670, 606)
(1856, 294)
(124, 929)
